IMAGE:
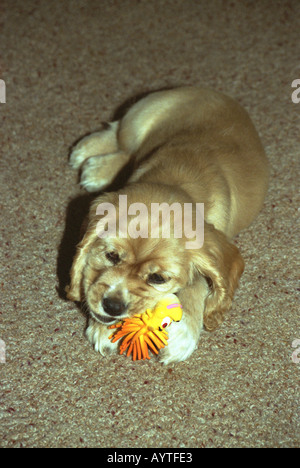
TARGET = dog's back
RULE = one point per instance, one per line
(207, 144)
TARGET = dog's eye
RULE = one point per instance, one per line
(155, 278)
(113, 257)
(209, 282)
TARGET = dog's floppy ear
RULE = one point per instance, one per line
(221, 262)
(89, 227)
(73, 291)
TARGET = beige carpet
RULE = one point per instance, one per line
(68, 65)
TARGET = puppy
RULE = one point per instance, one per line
(185, 146)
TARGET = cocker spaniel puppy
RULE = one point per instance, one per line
(186, 147)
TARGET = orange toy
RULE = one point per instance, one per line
(147, 330)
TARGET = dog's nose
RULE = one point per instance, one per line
(113, 306)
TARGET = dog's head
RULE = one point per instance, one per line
(122, 267)
(125, 272)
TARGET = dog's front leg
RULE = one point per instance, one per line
(97, 334)
(184, 335)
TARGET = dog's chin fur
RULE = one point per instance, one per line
(188, 145)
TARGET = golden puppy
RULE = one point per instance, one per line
(186, 146)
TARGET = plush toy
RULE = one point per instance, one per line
(147, 330)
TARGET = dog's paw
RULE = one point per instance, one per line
(182, 342)
(102, 142)
(81, 152)
(90, 145)
(77, 157)
(98, 336)
(96, 173)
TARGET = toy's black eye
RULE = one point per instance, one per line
(155, 278)
(113, 257)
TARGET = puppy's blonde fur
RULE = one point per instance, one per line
(186, 145)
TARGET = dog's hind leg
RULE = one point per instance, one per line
(99, 158)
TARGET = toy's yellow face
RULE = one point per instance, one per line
(165, 312)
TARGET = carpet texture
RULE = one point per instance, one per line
(68, 66)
